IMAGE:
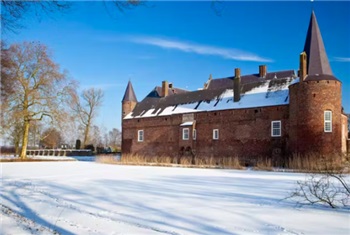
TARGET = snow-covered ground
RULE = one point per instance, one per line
(91, 198)
(38, 157)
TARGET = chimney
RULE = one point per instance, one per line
(262, 71)
(165, 87)
(237, 85)
(237, 72)
(302, 66)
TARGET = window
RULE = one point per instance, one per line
(327, 121)
(185, 134)
(140, 136)
(275, 128)
(194, 134)
(215, 134)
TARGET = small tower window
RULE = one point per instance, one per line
(185, 134)
(276, 129)
(140, 135)
(327, 121)
(215, 134)
(194, 134)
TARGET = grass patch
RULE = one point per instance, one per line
(312, 162)
(185, 161)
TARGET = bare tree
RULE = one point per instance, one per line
(41, 89)
(86, 107)
(6, 87)
(96, 136)
(114, 137)
(13, 12)
(51, 138)
(15, 136)
(35, 132)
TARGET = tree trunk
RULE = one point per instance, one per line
(25, 140)
(16, 148)
(86, 136)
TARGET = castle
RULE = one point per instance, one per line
(271, 114)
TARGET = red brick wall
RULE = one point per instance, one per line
(345, 148)
(247, 132)
(308, 101)
(243, 132)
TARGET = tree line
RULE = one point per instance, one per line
(40, 104)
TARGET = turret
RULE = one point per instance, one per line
(129, 100)
(315, 101)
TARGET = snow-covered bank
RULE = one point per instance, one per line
(37, 157)
(90, 198)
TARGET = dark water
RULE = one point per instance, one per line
(93, 158)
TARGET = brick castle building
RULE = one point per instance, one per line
(268, 114)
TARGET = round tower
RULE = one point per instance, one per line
(315, 115)
(315, 111)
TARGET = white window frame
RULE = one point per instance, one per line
(328, 121)
(140, 135)
(215, 134)
(194, 134)
(278, 129)
(186, 134)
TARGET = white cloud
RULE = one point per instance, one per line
(342, 59)
(228, 53)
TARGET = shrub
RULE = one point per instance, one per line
(327, 183)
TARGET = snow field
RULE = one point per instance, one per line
(91, 198)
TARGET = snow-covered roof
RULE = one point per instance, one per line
(187, 123)
(261, 93)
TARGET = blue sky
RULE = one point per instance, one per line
(183, 42)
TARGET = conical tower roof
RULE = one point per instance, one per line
(317, 60)
(129, 93)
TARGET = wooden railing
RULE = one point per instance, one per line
(59, 152)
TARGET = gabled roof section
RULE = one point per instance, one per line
(317, 60)
(255, 92)
(129, 93)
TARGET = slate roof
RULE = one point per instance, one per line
(129, 94)
(171, 91)
(317, 60)
(252, 78)
(255, 92)
(317, 77)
